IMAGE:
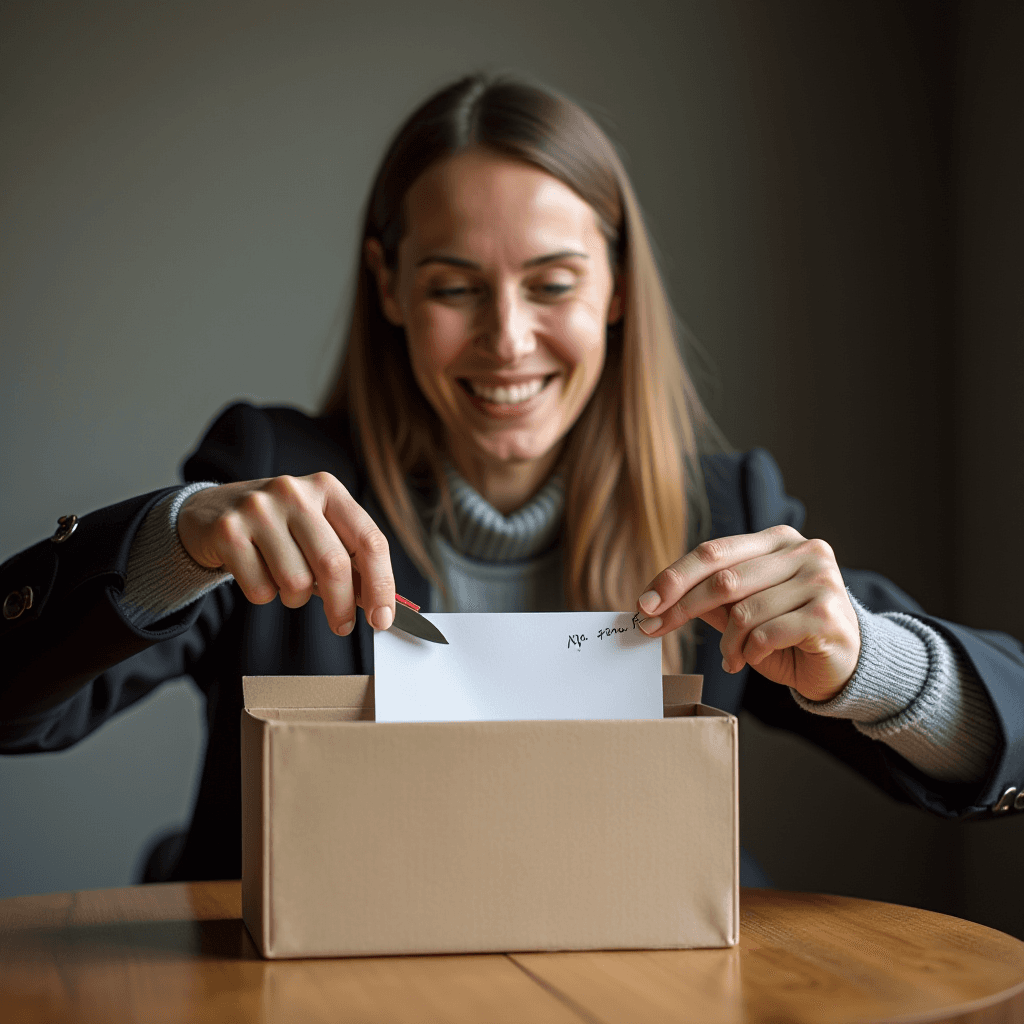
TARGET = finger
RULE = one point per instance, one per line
(715, 597)
(811, 648)
(799, 628)
(705, 560)
(287, 565)
(772, 647)
(369, 550)
(749, 615)
(331, 566)
(240, 557)
(265, 512)
(794, 650)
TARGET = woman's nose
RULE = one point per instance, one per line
(508, 329)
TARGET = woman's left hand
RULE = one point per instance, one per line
(777, 598)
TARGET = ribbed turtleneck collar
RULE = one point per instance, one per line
(482, 532)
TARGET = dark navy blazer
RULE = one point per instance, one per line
(72, 660)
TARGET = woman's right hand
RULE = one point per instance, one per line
(294, 536)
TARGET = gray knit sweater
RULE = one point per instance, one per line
(911, 690)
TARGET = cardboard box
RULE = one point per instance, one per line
(365, 838)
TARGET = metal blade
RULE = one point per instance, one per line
(412, 622)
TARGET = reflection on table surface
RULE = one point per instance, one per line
(182, 953)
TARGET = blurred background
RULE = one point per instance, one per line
(835, 192)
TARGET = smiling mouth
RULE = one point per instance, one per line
(514, 394)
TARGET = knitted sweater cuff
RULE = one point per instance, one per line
(162, 577)
(912, 691)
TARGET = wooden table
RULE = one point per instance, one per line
(181, 953)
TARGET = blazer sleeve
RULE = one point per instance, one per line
(997, 660)
(72, 660)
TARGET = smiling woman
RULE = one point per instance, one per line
(511, 302)
(506, 339)
(511, 429)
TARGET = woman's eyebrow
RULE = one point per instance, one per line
(552, 257)
(458, 261)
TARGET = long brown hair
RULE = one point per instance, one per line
(635, 498)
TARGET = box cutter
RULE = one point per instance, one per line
(408, 619)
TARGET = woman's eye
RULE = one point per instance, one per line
(552, 289)
(455, 292)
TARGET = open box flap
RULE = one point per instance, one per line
(682, 689)
(273, 692)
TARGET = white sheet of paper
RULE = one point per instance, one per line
(519, 665)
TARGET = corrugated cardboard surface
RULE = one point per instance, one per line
(369, 838)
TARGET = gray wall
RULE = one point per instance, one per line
(832, 190)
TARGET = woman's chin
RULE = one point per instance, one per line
(508, 453)
(508, 436)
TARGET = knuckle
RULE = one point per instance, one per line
(293, 493)
(374, 542)
(824, 578)
(827, 580)
(822, 611)
(296, 582)
(723, 583)
(285, 486)
(835, 607)
(257, 506)
(785, 533)
(334, 564)
(819, 550)
(673, 576)
(326, 482)
(709, 551)
(740, 615)
(758, 642)
(229, 532)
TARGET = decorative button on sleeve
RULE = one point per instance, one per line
(1006, 801)
(17, 603)
(66, 526)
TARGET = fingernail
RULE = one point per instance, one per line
(650, 601)
(650, 626)
(382, 618)
(725, 667)
(346, 627)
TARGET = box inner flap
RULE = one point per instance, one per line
(262, 692)
(682, 689)
(350, 698)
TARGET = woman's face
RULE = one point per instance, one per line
(504, 287)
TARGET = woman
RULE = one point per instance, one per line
(511, 428)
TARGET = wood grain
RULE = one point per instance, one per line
(170, 953)
(806, 958)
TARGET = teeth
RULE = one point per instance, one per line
(508, 396)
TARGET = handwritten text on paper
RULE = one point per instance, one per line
(520, 665)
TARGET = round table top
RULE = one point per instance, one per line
(181, 953)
